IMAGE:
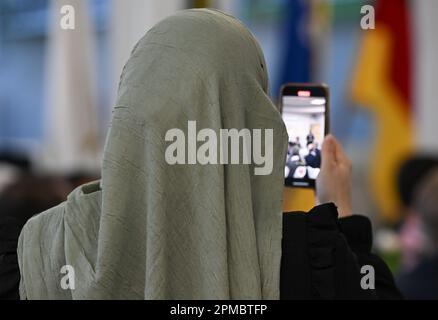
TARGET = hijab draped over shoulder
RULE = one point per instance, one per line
(152, 230)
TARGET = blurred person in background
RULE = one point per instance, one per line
(313, 158)
(420, 279)
(75, 179)
(11, 165)
(411, 174)
(310, 137)
(297, 142)
(21, 198)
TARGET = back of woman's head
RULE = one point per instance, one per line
(197, 220)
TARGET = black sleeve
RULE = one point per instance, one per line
(317, 262)
(358, 232)
(324, 257)
(9, 276)
(9, 270)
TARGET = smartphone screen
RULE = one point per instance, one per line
(305, 114)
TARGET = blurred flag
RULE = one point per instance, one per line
(71, 142)
(296, 57)
(321, 15)
(382, 83)
(296, 67)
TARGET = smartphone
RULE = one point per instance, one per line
(305, 111)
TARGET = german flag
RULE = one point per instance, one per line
(382, 83)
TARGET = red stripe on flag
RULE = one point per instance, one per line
(394, 14)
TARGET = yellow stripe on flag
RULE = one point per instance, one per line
(372, 88)
(298, 199)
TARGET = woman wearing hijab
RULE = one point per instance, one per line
(151, 230)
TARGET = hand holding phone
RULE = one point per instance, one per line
(334, 181)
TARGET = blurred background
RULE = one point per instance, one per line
(58, 86)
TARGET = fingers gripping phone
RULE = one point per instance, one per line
(305, 111)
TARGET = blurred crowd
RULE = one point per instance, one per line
(23, 194)
(418, 232)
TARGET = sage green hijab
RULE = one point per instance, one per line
(150, 230)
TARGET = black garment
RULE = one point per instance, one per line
(12, 220)
(422, 282)
(19, 201)
(9, 270)
(10, 228)
(322, 257)
(9, 274)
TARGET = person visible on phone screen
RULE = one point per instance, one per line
(313, 158)
(310, 137)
